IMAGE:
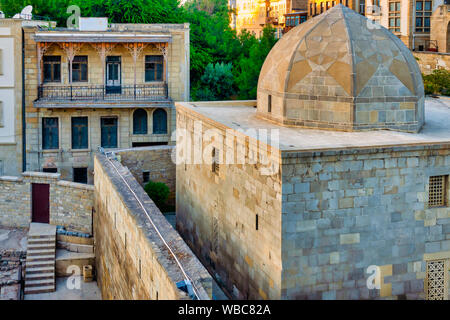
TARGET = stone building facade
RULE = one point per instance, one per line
(69, 204)
(11, 94)
(112, 88)
(317, 214)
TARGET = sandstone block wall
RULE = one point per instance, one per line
(429, 61)
(344, 211)
(216, 215)
(157, 161)
(70, 203)
(131, 260)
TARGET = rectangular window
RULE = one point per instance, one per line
(394, 16)
(269, 103)
(257, 222)
(52, 68)
(50, 170)
(80, 133)
(80, 175)
(423, 14)
(215, 161)
(50, 133)
(146, 176)
(437, 191)
(80, 69)
(109, 132)
(154, 68)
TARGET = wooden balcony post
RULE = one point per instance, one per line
(135, 49)
(42, 48)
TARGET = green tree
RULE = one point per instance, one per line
(249, 67)
(158, 192)
(216, 83)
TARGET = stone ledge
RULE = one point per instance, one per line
(11, 179)
(45, 175)
(75, 185)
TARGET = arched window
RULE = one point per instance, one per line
(140, 122)
(160, 121)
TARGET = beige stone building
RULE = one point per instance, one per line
(411, 21)
(279, 209)
(110, 87)
(254, 15)
(11, 94)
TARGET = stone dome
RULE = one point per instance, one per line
(341, 71)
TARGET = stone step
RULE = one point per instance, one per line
(40, 283)
(41, 246)
(41, 258)
(40, 252)
(40, 241)
(31, 264)
(39, 270)
(43, 289)
(41, 236)
(40, 276)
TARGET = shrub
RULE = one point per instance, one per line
(158, 192)
(438, 82)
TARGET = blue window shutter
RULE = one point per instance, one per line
(140, 123)
(160, 121)
(109, 132)
(50, 133)
(80, 133)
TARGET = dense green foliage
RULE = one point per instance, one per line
(437, 82)
(216, 83)
(213, 42)
(158, 192)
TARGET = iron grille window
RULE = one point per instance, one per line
(160, 121)
(140, 123)
(80, 133)
(437, 191)
(50, 170)
(109, 132)
(394, 16)
(80, 69)
(437, 280)
(80, 175)
(154, 68)
(423, 15)
(52, 68)
(50, 133)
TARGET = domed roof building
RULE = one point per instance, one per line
(341, 71)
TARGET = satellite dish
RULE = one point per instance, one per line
(27, 13)
(16, 16)
(2, 15)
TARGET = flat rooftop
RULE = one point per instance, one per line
(241, 115)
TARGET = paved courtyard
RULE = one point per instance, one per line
(87, 291)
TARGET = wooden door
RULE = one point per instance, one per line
(40, 197)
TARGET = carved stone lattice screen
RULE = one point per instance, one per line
(437, 280)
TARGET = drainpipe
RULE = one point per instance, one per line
(414, 25)
(24, 138)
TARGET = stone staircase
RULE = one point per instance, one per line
(41, 255)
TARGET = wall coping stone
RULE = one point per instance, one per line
(46, 175)
(75, 185)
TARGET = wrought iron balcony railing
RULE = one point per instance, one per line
(139, 92)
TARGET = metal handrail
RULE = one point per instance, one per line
(138, 92)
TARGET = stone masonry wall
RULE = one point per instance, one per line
(216, 215)
(155, 160)
(132, 262)
(70, 203)
(429, 61)
(344, 211)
